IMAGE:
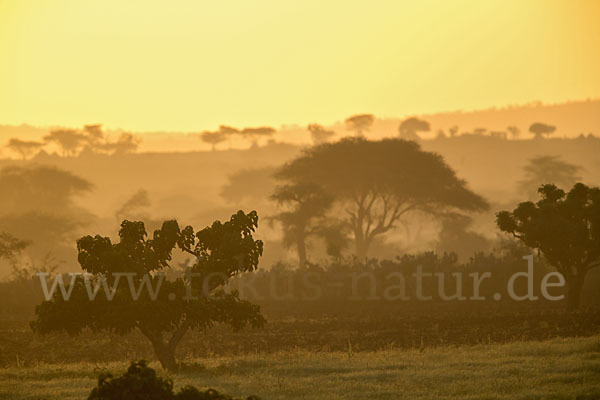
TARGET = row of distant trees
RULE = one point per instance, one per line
(72, 142)
(93, 139)
(225, 133)
(360, 124)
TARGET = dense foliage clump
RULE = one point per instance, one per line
(141, 382)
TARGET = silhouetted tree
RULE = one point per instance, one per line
(307, 204)
(25, 148)
(514, 131)
(360, 123)
(95, 134)
(319, 134)
(134, 207)
(213, 138)
(218, 136)
(253, 184)
(255, 133)
(92, 138)
(453, 131)
(409, 128)
(10, 246)
(228, 130)
(39, 188)
(540, 129)
(70, 141)
(126, 143)
(547, 169)
(564, 227)
(37, 204)
(377, 182)
(221, 251)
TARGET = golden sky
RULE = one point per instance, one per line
(192, 65)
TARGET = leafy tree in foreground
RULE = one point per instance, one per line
(378, 182)
(564, 227)
(165, 310)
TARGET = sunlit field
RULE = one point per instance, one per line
(556, 369)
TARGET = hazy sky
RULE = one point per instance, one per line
(191, 65)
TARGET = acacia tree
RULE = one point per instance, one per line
(164, 314)
(377, 182)
(92, 138)
(307, 204)
(319, 134)
(255, 133)
(25, 148)
(360, 123)
(540, 129)
(543, 169)
(126, 143)
(409, 128)
(213, 138)
(564, 227)
(69, 140)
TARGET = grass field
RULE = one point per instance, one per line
(554, 369)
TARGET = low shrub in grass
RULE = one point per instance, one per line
(140, 382)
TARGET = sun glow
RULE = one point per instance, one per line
(143, 65)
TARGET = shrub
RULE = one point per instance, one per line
(140, 382)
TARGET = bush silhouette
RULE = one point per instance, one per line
(140, 382)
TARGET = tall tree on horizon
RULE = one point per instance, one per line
(409, 128)
(375, 183)
(540, 130)
(359, 124)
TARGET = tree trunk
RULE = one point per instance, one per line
(301, 244)
(165, 354)
(362, 248)
(165, 351)
(575, 284)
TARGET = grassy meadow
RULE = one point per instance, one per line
(554, 369)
